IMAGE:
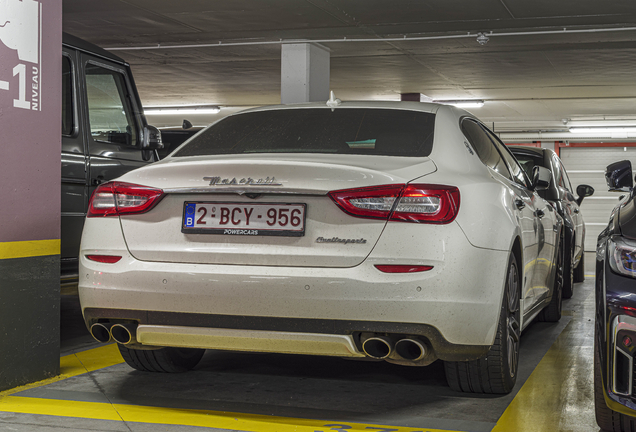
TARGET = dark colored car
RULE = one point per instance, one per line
(560, 194)
(615, 331)
(104, 135)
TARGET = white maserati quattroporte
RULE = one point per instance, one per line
(398, 231)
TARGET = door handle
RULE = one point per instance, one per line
(520, 204)
(99, 180)
(576, 210)
(540, 213)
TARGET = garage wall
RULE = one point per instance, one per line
(586, 165)
(30, 120)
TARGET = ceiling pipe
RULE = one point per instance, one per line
(402, 39)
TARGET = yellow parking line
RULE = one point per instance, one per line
(108, 355)
(185, 417)
(76, 364)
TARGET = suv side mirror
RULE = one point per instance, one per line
(541, 178)
(619, 176)
(583, 191)
(152, 138)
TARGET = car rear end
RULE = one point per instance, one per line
(304, 230)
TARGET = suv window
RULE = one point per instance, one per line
(565, 179)
(387, 132)
(67, 97)
(110, 114)
(484, 147)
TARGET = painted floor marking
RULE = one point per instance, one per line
(108, 355)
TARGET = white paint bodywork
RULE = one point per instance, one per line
(165, 270)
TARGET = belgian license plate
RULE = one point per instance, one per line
(244, 219)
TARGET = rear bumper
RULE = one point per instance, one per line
(267, 334)
(455, 306)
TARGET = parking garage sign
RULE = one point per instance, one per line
(21, 32)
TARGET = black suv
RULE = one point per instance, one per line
(562, 198)
(104, 134)
(615, 330)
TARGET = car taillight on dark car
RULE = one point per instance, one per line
(118, 198)
(419, 203)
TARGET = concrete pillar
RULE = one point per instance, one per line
(30, 119)
(304, 73)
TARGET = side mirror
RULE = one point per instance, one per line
(619, 176)
(541, 178)
(583, 191)
(152, 138)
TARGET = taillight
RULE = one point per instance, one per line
(373, 202)
(420, 203)
(107, 259)
(401, 268)
(117, 198)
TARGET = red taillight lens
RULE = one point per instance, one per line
(117, 198)
(371, 202)
(402, 268)
(427, 203)
(420, 203)
(108, 259)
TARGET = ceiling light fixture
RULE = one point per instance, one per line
(183, 110)
(603, 130)
(468, 103)
(482, 39)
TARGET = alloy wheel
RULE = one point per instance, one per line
(512, 320)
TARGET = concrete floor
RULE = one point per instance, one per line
(270, 392)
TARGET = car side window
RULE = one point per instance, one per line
(109, 110)
(67, 97)
(518, 175)
(484, 147)
(565, 178)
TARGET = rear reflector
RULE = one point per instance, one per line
(420, 203)
(108, 259)
(402, 268)
(117, 198)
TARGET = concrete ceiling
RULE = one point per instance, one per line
(528, 81)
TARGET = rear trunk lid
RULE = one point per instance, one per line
(261, 185)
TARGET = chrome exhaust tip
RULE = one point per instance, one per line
(410, 349)
(377, 347)
(124, 333)
(101, 332)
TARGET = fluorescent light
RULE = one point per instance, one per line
(468, 103)
(603, 130)
(183, 110)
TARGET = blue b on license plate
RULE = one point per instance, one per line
(271, 219)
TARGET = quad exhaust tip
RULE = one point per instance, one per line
(410, 349)
(101, 332)
(124, 333)
(377, 347)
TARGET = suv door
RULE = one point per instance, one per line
(74, 188)
(114, 121)
(523, 207)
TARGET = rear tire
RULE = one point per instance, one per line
(579, 270)
(167, 360)
(552, 312)
(606, 418)
(495, 373)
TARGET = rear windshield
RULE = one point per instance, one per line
(316, 130)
